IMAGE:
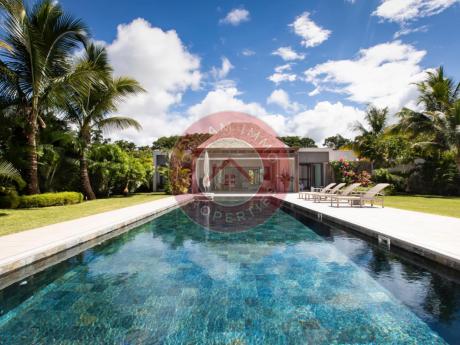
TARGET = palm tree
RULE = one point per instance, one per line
(438, 92)
(89, 108)
(376, 119)
(437, 126)
(367, 142)
(36, 47)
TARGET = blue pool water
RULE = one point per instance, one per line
(170, 281)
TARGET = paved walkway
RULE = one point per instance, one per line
(433, 236)
(23, 248)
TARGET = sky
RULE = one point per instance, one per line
(307, 68)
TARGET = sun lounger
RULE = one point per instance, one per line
(306, 195)
(333, 190)
(344, 192)
(371, 196)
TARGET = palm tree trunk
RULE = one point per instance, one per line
(31, 149)
(84, 177)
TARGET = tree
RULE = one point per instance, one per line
(296, 141)
(437, 126)
(165, 143)
(89, 108)
(336, 142)
(369, 141)
(181, 161)
(37, 46)
(126, 145)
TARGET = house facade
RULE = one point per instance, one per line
(233, 166)
(314, 168)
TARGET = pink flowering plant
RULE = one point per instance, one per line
(347, 171)
(343, 170)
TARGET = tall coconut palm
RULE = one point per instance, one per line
(367, 141)
(437, 126)
(90, 108)
(438, 92)
(376, 121)
(37, 44)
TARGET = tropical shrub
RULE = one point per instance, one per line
(9, 198)
(344, 170)
(364, 178)
(436, 176)
(108, 166)
(398, 183)
(350, 172)
(50, 199)
(113, 170)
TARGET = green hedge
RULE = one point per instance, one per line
(50, 199)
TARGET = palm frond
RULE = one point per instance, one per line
(358, 127)
(10, 173)
(4, 45)
(118, 123)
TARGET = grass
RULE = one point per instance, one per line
(445, 206)
(23, 219)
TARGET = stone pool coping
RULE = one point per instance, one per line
(431, 236)
(24, 248)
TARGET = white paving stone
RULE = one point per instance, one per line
(22, 248)
(438, 236)
(432, 233)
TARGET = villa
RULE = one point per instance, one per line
(236, 167)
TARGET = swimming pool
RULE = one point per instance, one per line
(170, 281)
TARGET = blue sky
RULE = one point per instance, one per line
(305, 67)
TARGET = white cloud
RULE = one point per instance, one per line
(222, 72)
(282, 68)
(280, 77)
(281, 98)
(324, 120)
(311, 33)
(163, 66)
(288, 54)
(405, 30)
(236, 17)
(222, 99)
(281, 74)
(383, 75)
(314, 92)
(401, 11)
(248, 52)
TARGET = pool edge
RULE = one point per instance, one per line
(28, 258)
(424, 252)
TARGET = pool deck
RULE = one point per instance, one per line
(24, 248)
(432, 236)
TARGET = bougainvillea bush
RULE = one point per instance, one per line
(348, 172)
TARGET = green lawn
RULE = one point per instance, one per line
(24, 219)
(446, 206)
